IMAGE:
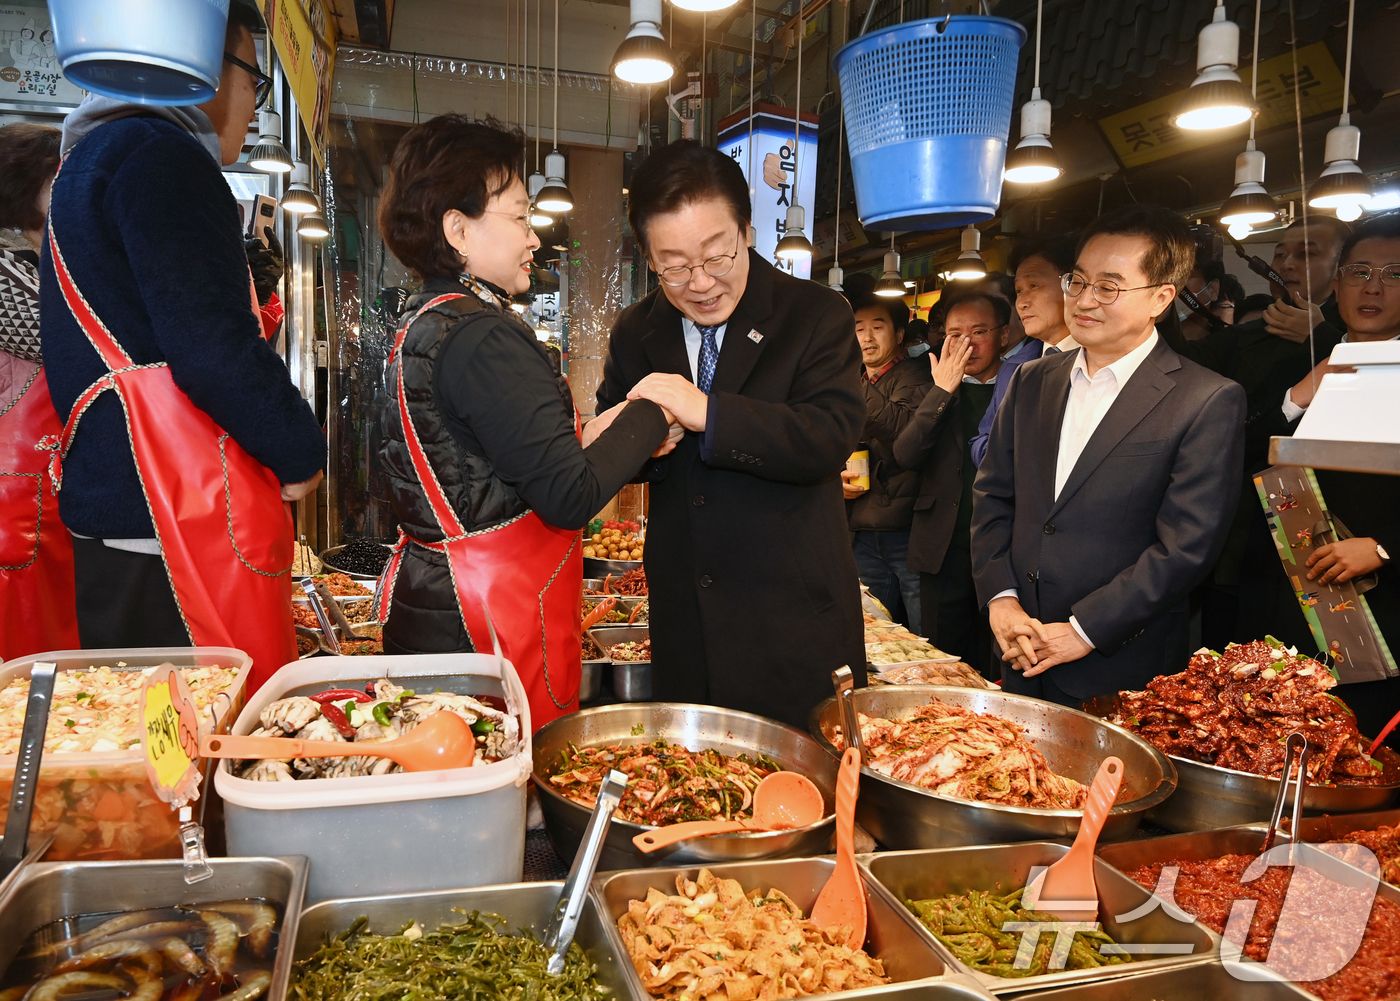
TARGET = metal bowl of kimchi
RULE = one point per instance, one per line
(697, 729)
(902, 815)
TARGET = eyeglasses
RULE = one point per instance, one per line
(1360, 274)
(715, 267)
(1105, 292)
(521, 220)
(262, 80)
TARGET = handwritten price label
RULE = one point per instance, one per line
(170, 736)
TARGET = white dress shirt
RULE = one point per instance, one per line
(1090, 399)
(1065, 345)
(692, 345)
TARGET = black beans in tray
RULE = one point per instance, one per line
(361, 556)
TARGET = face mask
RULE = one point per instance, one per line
(915, 350)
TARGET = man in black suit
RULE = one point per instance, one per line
(1109, 480)
(754, 594)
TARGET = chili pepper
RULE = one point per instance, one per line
(349, 710)
(482, 727)
(335, 694)
(369, 688)
(381, 713)
(336, 715)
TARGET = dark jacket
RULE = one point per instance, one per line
(754, 594)
(931, 444)
(149, 229)
(1136, 527)
(888, 506)
(497, 424)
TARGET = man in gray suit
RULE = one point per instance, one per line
(1109, 480)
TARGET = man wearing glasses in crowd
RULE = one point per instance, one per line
(149, 231)
(754, 591)
(1105, 492)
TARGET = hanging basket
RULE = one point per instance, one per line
(928, 110)
(146, 51)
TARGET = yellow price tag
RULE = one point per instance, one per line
(170, 735)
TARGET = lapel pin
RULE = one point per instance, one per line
(755, 336)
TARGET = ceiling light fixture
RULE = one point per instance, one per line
(794, 245)
(1217, 98)
(299, 198)
(644, 56)
(1034, 160)
(969, 265)
(1342, 186)
(269, 155)
(704, 6)
(313, 226)
(890, 283)
(1249, 204)
(835, 278)
(555, 195)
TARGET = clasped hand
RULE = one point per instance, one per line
(674, 431)
(1029, 645)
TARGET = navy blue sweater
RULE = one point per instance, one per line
(150, 232)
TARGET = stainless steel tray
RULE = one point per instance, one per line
(1197, 982)
(523, 905)
(919, 875)
(609, 636)
(1196, 847)
(892, 933)
(1208, 796)
(594, 567)
(695, 727)
(328, 559)
(48, 891)
(904, 816)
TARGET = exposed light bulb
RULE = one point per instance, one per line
(1349, 212)
(1240, 230)
(1217, 98)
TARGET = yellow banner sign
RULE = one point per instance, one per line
(1143, 134)
(304, 37)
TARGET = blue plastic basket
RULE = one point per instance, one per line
(928, 110)
(146, 51)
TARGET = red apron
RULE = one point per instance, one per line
(529, 574)
(225, 533)
(37, 604)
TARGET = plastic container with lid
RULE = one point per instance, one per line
(397, 833)
(100, 804)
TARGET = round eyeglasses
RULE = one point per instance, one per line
(715, 267)
(1360, 274)
(1105, 292)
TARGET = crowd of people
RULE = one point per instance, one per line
(1085, 476)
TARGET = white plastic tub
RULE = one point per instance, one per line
(386, 834)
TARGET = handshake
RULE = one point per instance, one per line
(685, 407)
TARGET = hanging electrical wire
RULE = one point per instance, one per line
(794, 245)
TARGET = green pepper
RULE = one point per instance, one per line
(482, 727)
(381, 713)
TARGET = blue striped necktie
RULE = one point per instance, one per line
(709, 356)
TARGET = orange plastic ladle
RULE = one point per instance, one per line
(443, 740)
(782, 801)
(842, 901)
(1067, 888)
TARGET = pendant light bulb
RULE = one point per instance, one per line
(555, 196)
(969, 265)
(835, 279)
(1249, 203)
(704, 6)
(1240, 230)
(644, 56)
(794, 245)
(1217, 98)
(313, 226)
(1342, 186)
(890, 283)
(299, 198)
(1034, 160)
(269, 155)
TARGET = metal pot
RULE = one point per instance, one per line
(695, 727)
(631, 680)
(1209, 796)
(901, 815)
(590, 684)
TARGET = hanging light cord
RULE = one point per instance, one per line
(797, 103)
(753, 42)
(1038, 18)
(836, 243)
(1346, 82)
(539, 122)
(556, 75)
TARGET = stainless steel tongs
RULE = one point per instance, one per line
(1295, 748)
(844, 681)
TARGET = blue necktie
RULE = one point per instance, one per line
(709, 356)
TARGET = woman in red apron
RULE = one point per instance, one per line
(489, 481)
(36, 553)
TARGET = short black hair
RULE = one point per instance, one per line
(28, 160)
(449, 162)
(1341, 231)
(1000, 307)
(1172, 254)
(244, 15)
(893, 306)
(1057, 249)
(916, 331)
(682, 173)
(1231, 290)
(1381, 227)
